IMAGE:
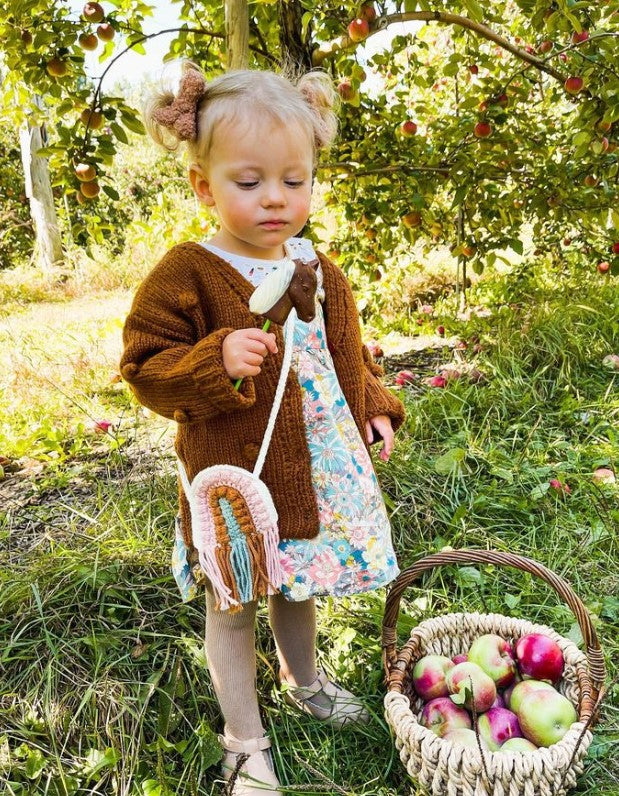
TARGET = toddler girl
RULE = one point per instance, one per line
(252, 139)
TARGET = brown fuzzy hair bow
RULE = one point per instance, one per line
(181, 115)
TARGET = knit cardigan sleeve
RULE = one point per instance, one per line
(172, 369)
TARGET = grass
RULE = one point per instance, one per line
(104, 685)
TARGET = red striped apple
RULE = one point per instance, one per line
(441, 716)
(539, 657)
(495, 656)
(429, 676)
(498, 725)
(470, 686)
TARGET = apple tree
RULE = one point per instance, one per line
(480, 122)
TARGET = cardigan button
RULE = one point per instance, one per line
(180, 416)
(251, 451)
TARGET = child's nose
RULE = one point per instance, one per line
(273, 195)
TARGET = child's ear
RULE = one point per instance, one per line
(200, 184)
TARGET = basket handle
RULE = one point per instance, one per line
(597, 669)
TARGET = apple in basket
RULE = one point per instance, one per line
(545, 716)
(499, 702)
(429, 676)
(495, 656)
(470, 686)
(498, 725)
(539, 657)
(517, 745)
(441, 716)
(462, 658)
(522, 689)
(466, 738)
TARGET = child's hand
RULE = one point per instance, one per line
(244, 351)
(382, 424)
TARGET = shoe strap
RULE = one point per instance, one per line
(248, 747)
(321, 683)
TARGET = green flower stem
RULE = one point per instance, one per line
(265, 328)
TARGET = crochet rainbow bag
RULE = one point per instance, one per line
(234, 522)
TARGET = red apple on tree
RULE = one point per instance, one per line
(482, 130)
(574, 84)
(408, 128)
(441, 716)
(367, 11)
(88, 41)
(539, 657)
(412, 219)
(346, 91)
(93, 12)
(615, 248)
(474, 69)
(590, 181)
(92, 119)
(106, 32)
(579, 38)
(56, 67)
(604, 267)
(358, 29)
(495, 656)
(546, 46)
(545, 716)
(85, 172)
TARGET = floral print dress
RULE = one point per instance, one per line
(353, 551)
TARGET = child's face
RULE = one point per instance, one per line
(257, 175)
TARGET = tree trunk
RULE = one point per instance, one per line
(237, 34)
(293, 48)
(48, 243)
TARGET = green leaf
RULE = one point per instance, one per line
(34, 764)
(119, 132)
(511, 600)
(474, 9)
(517, 245)
(459, 698)
(449, 461)
(111, 192)
(132, 123)
(610, 609)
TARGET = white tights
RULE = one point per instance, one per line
(230, 643)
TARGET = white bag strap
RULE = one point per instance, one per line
(279, 393)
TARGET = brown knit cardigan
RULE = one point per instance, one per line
(173, 363)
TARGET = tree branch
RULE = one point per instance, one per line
(344, 42)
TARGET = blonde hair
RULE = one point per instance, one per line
(289, 96)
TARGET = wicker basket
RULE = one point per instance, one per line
(447, 769)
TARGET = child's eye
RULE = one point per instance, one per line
(247, 184)
(295, 183)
